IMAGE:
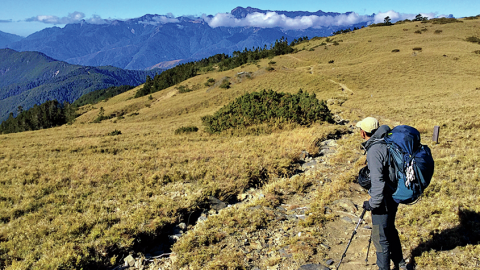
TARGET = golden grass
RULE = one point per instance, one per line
(73, 195)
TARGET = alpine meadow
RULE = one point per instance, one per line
(117, 182)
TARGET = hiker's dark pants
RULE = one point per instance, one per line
(385, 235)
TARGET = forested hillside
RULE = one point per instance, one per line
(29, 78)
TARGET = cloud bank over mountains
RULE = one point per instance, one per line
(74, 17)
(269, 19)
(273, 19)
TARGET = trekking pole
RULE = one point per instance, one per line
(351, 238)
(368, 249)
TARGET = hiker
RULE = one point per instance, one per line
(381, 204)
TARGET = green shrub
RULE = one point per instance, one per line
(417, 49)
(335, 43)
(270, 69)
(183, 89)
(418, 32)
(444, 20)
(268, 107)
(396, 50)
(477, 52)
(272, 63)
(438, 31)
(225, 84)
(210, 82)
(473, 39)
(115, 132)
(101, 116)
(331, 61)
(472, 18)
(187, 129)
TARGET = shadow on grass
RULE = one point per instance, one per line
(468, 232)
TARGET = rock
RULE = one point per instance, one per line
(304, 155)
(347, 220)
(346, 204)
(182, 226)
(216, 204)
(313, 267)
(302, 217)
(129, 261)
(309, 165)
(324, 246)
(202, 218)
(329, 262)
(291, 217)
(285, 253)
(175, 237)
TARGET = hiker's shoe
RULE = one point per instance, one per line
(401, 266)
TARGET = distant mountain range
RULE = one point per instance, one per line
(6, 38)
(29, 78)
(159, 41)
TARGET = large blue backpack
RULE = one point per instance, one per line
(413, 163)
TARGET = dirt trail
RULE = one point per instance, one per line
(296, 58)
(343, 86)
(334, 236)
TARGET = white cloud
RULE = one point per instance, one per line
(74, 17)
(273, 19)
(161, 19)
(395, 16)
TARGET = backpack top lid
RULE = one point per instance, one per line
(405, 137)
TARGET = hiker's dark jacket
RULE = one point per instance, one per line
(380, 173)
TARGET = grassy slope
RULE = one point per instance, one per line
(74, 189)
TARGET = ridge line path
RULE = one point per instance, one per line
(343, 86)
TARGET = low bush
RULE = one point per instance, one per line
(473, 39)
(115, 132)
(396, 50)
(268, 107)
(184, 89)
(331, 61)
(418, 32)
(270, 69)
(444, 20)
(417, 49)
(187, 129)
(225, 84)
(438, 31)
(476, 52)
(210, 82)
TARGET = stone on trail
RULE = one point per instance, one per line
(129, 261)
(313, 267)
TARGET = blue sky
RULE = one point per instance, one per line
(23, 17)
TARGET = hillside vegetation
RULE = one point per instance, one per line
(32, 78)
(87, 194)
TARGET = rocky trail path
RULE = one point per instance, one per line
(286, 243)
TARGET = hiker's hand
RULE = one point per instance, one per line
(366, 206)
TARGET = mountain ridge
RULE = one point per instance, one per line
(29, 78)
(152, 39)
